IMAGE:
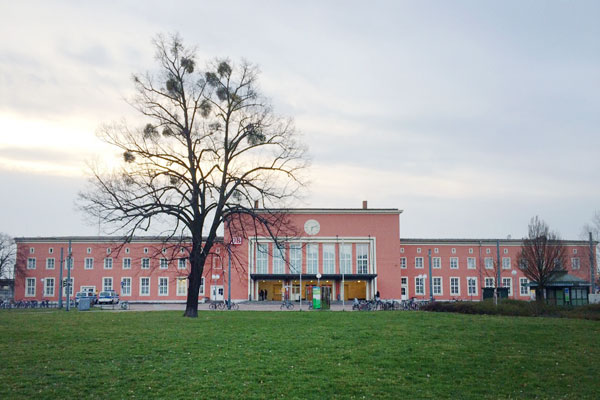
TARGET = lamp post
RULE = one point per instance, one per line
(430, 278)
(342, 268)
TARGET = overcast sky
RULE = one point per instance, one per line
(471, 116)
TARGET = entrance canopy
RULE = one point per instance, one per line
(324, 277)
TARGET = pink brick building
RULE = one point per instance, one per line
(354, 252)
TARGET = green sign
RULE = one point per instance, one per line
(316, 297)
(567, 295)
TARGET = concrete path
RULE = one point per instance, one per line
(245, 306)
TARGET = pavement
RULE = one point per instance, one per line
(244, 306)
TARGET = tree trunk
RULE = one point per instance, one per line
(539, 294)
(195, 279)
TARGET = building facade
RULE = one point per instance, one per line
(354, 252)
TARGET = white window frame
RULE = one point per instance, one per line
(575, 263)
(161, 286)
(69, 265)
(146, 261)
(182, 263)
(104, 280)
(30, 287)
(108, 263)
(48, 293)
(454, 279)
(469, 286)
(50, 260)
(126, 263)
(181, 286)
(487, 280)
(123, 279)
(201, 289)
(419, 286)
(419, 263)
(506, 264)
(471, 263)
(362, 258)
(526, 287)
(438, 289)
(295, 258)
(262, 258)
(346, 258)
(148, 287)
(509, 286)
(71, 288)
(278, 259)
(489, 263)
(436, 262)
(163, 263)
(31, 263)
(329, 258)
(88, 263)
(403, 264)
(454, 263)
(312, 258)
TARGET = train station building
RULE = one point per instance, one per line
(353, 252)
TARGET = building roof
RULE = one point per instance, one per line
(563, 278)
(103, 239)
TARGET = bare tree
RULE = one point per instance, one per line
(594, 228)
(542, 255)
(211, 147)
(8, 253)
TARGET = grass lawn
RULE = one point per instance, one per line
(234, 355)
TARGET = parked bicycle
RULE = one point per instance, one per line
(287, 304)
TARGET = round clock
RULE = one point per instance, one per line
(312, 227)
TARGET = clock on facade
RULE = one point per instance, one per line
(312, 227)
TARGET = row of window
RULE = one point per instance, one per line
(436, 263)
(182, 250)
(49, 285)
(293, 258)
(107, 263)
(437, 287)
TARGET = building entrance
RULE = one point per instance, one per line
(216, 292)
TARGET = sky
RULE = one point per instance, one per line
(470, 116)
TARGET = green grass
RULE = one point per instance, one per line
(234, 355)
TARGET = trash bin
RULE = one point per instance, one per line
(84, 304)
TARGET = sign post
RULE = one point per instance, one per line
(236, 241)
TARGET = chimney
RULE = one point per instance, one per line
(364, 204)
(255, 203)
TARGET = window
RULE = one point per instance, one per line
(487, 251)
(144, 286)
(489, 282)
(295, 258)
(346, 258)
(418, 250)
(145, 250)
(574, 251)
(181, 286)
(505, 262)
(108, 251)
(437, 285)
(51, 250)
(523, 263)
(108, 263)
(182, 263)
(164, 263)
(50, 263)
(125, 286)
(88, 250)
(362, 258)
(31, 263)
(49, 287)
(472, 286)
(261, 258)
(575, 263)
(403, 262)
(278, 259)
(507, 283)
(418, 262)
(145, 263)
(471, 251)
(505, 251)
(489, 263)
(31, 250)
(201, 290)
(524, 286)
(329, 258)
(471, 263)
(70, 286)
(453, 262)
(437, 262)
(89, 263)
(419, 285)
(453, 250)
(436, 250)
(127, 250)
(107, 284)
(30, 287)
(163, 286)
(402, 250)
(69, 262)
(454, 286)
(216, 262)
(312, 259)
(126, 263)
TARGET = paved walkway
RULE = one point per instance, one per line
(245, 306)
